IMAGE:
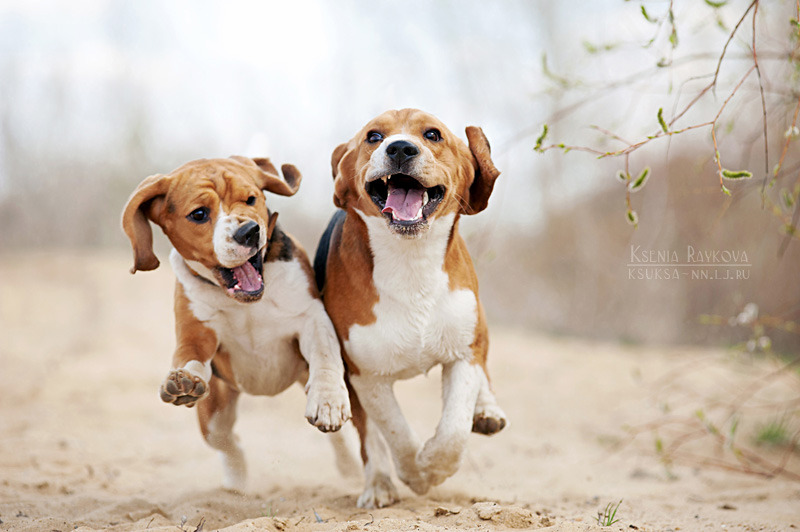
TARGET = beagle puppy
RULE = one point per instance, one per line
(248, 316)
(399, 285)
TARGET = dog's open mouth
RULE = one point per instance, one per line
(403, 199)
(244, 282)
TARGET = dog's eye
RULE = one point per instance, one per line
(373, 137)
(199, 215)
(433, 135)
(251, 200)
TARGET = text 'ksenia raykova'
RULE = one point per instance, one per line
(690, 256)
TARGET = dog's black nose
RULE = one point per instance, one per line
(400, 151)
(247, 234)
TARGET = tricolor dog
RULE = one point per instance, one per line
(401, 290)
(248, 316)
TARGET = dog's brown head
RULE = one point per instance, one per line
(409, 168)
(213, 211)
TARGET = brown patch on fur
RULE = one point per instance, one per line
(221, 367)
(349, 270)
(359, 418)
(308, 270)
(194, 341)
(220, 397)
(480, 346)
(461, 273)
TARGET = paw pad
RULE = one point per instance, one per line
(487, 425)
(183, 388)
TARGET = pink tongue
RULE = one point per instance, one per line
(248, 278)
(404, 203)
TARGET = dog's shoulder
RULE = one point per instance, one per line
(287, 263)
(282, 247)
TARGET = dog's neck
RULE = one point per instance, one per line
(397, 259)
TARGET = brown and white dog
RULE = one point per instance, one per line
(248, 316)
(401, 290)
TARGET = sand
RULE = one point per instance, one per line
(86, 443)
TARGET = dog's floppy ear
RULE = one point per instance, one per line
(340, 159)
(135, 220)
(485, 172)
(267, 177)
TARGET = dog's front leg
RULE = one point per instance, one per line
(327, 404)
(442, 454)
(377, 396)
(187, 381)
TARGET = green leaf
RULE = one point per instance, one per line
(788, 200)
(661, 121)
(734, 426)
(716, 5)
(641, 180)
(673, 37)
(622, 177)
(725, 190)
(632, 218)
(541, 138)
(647, 17)
(736, 174)
(589, 47)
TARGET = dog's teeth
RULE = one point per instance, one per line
(425, 198)
(419, 214)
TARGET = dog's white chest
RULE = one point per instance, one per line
(419, 322)
(260, 337)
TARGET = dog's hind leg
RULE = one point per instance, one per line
(346, 462)
(488, 418)
(379, 491)
(217, 414)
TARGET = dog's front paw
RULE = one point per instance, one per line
(328, 405)
(183, 388)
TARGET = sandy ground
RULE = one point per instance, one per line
(86, 443)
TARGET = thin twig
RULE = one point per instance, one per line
(763, 107)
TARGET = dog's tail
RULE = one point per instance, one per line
(321, 257)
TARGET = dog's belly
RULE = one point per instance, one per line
(265, 361)
(409, 337)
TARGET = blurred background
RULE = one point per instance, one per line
(95, 95)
